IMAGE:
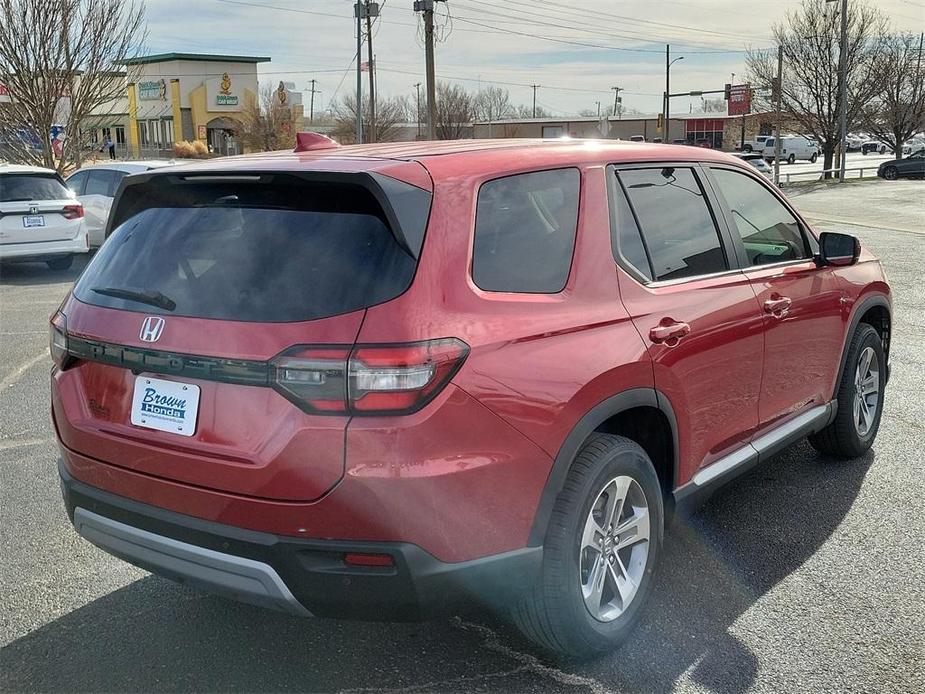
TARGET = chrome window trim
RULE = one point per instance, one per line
(694, 278)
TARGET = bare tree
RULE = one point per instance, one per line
(714, 105)
(897, 110)
(390, 115)
(524, 111)
(62, 64)
(492, 104)
(810, 40)
(454, 111)
(266, 122)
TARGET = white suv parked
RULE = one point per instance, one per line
(792, 147)
(39, 217)
(96, 186)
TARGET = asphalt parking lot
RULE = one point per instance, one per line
(806, 575)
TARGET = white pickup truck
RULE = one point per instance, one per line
(756, 145)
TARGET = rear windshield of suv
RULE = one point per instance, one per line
(28, 187)
(260, 254)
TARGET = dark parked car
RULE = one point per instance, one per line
(375, 381)
(912, 166)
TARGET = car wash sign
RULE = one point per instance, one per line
(222, 94)
(153, 90)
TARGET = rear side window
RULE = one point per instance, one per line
(525, 232)
(769, 230)
(679, 231)
(101, 182)
(625, 238)
(76, 182)
(250, 252)
(25, 187)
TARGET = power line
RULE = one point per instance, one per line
(606, 18)
(584, 43)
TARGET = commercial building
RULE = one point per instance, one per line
(582, 127)
(717, 131)
(187, 96)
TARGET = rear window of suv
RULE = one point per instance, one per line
(27, 187)
(287, 251)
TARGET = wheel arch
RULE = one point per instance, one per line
(616, 414)
(876, 311)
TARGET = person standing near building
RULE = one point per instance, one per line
(111, 146)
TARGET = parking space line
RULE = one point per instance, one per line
(22, 443)
(17, 373)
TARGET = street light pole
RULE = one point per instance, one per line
(666, 104)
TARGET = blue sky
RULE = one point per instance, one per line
(482, 42)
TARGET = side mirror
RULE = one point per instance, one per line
(838, 249)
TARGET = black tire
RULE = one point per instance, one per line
(792, 159)
(62, 263)
(553, 614)
(890, 173)
(747, 148)
(841, 437)
(812, 159)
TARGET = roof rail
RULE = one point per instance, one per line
(309, 141)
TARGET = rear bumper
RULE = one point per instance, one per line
(43, 250)
(290, 574)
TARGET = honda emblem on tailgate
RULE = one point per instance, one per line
(33, 210)
(151, 329)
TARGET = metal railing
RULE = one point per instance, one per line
(820, 175)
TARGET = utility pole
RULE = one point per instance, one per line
(616, 101)
(843, 89)
(598, 109)
(358, 11)
(535, 87)
(427, 7)
(372, 10)
(417, 106)
(311, 106)
(780, 88)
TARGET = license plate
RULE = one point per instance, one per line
(165, 405)
(33, 220)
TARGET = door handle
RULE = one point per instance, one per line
(778, 307)
(669, 331)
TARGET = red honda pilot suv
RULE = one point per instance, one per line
(378, 381)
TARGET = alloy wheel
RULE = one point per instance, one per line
(614, 548)
(866, 391)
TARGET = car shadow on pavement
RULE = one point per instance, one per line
(153, 635)
(30, 274)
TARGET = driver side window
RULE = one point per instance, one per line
(771, 234)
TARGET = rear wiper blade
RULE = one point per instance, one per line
(142, 296)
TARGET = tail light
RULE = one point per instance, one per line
(72, 211)
(57, 340)
(367, 379)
